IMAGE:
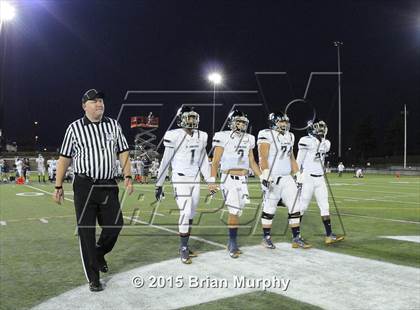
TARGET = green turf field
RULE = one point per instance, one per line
(39, 251)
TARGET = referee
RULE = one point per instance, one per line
(93, 142)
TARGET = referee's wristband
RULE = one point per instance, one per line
(59, 187)
(128, 177)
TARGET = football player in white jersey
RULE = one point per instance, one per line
(50, 169)
(185, 151)
(233, 151)
(277, 162)
(310, 158)
(2, 170)
(19, 167)
(40, 162)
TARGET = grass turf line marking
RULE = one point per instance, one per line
(367, 283)
(404, 238)
(42, 220)
(345, 214)
(154, 226)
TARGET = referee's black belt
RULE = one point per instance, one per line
(316, 175)
(96, 181)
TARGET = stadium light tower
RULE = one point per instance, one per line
(216, 79)
(337, 44)
(7, 12)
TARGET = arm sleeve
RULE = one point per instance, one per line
(122, 144)
(169, 139)
(164, 166)
(204, 161)
(67, 149)
(264, 136)
(328, 146)
(292, 139)
(218, 139)
(303, 149)
(252, 141)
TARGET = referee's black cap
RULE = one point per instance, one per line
(92, 94)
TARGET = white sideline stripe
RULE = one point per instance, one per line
(42, 220)
(404, 238)
(377, 218)
(3, 223)
(41, 190)
(175, 232)
(321, 278)
(343, 214)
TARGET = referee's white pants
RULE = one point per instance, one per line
(187, 196)
(235, 190)
(315, 186)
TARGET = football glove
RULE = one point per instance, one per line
(265, 179)
(213, 188)
(298, 179)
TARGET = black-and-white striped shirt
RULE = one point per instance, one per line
(94, 147)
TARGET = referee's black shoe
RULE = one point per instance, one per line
(103, 266)
(95, 286)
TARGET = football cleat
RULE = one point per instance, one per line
(184, 252)
(333, 239)
(192, 253)
(95, 286)
(298, 242)
(268, 243)
(233, 249)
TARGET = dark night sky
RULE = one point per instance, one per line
(57, 49)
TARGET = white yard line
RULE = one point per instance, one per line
(42, 220)
(343, 214)
(321, 278)
(404, 238)
(3, 223)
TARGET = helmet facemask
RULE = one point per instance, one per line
(279, 122)
(239, 124)
(190, 120)
(320, 129)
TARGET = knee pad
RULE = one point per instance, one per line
(235, 211)
(267, 218)
(294, 219)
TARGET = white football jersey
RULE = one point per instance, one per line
(281, 148)
(188, 150)
(312, 153)
(40, 162)
(236, 149)
(19, 164)
(139, 164)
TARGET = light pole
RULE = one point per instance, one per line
(338, 44)
(7, 13)
(36, 134)
(405, 136)
(215, 78)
